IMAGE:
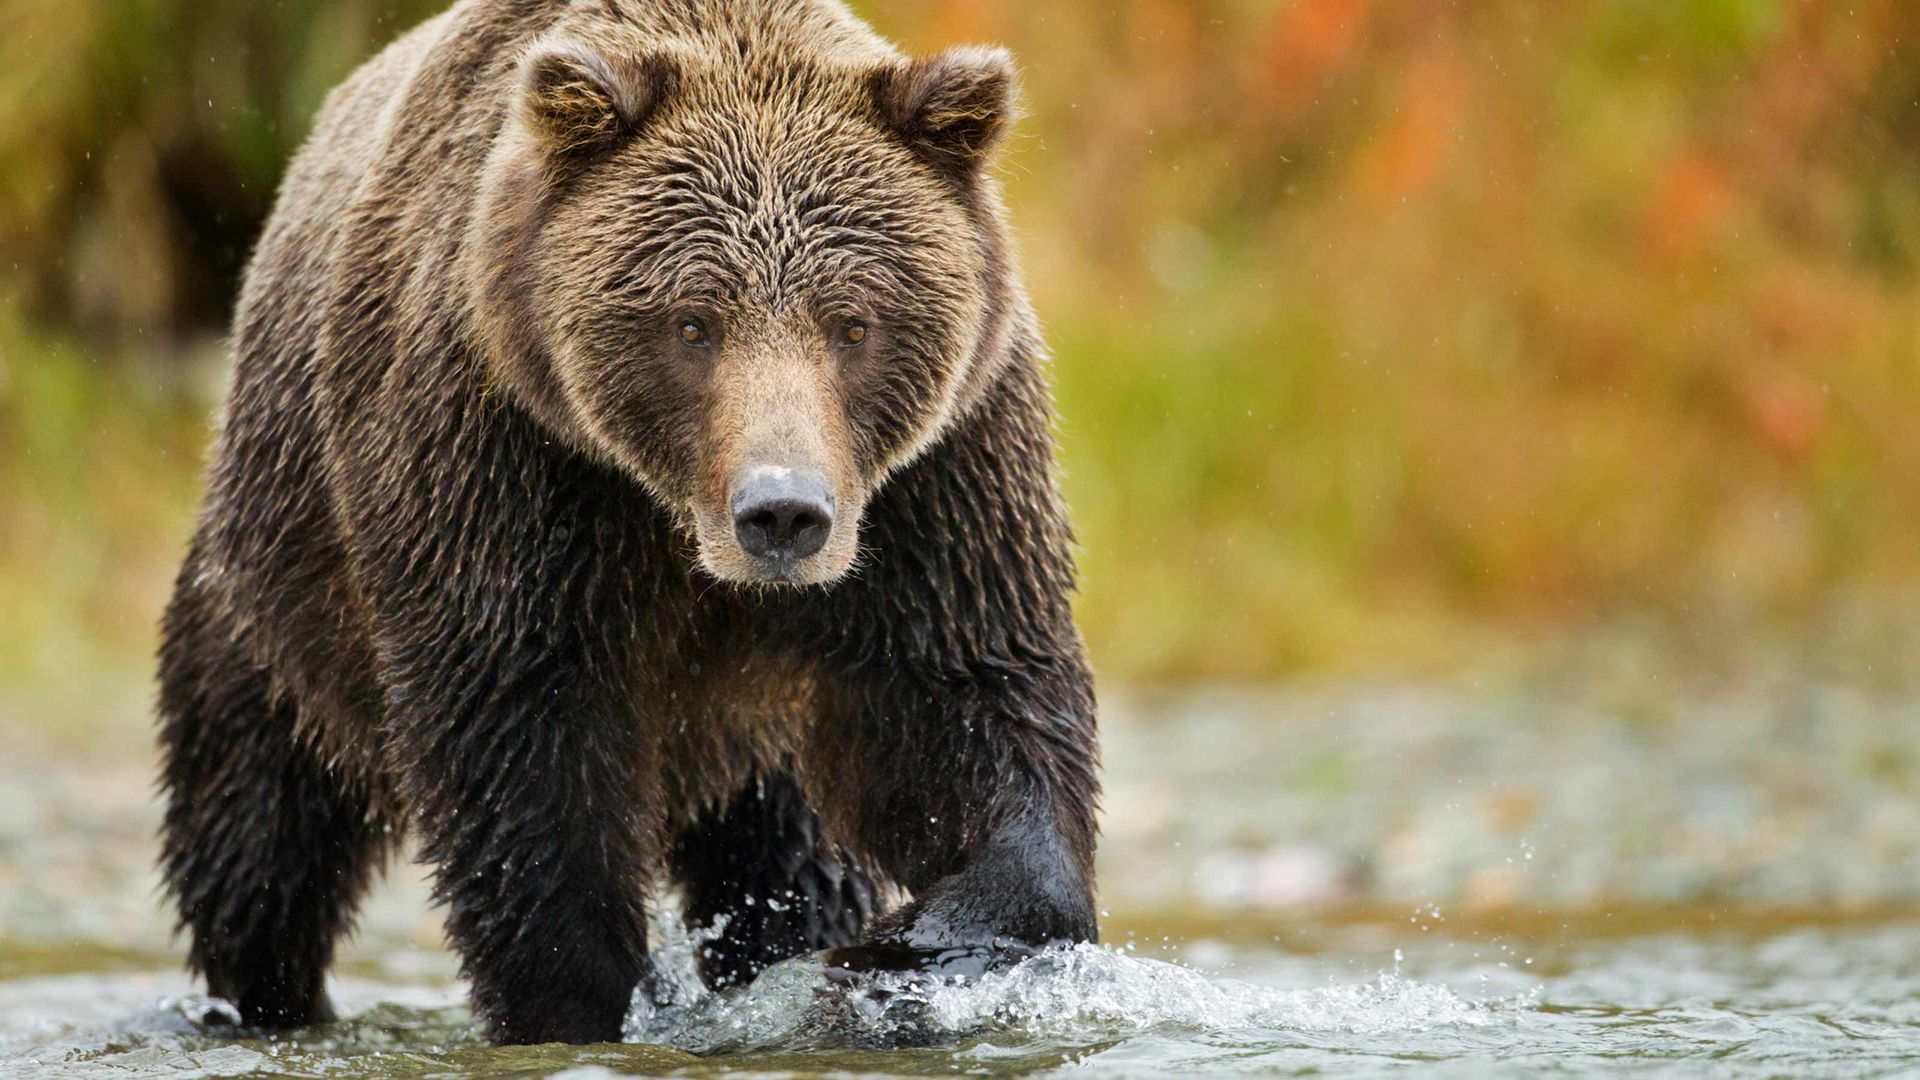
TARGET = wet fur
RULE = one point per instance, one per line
(450, 576)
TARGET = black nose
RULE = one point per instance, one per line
(781, 513)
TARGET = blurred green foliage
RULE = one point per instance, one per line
(1384, 331)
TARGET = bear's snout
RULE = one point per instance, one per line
(780, 515)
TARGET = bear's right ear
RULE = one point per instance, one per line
(580, 102)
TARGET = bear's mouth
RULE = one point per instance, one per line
(778, 570)
(731, 565)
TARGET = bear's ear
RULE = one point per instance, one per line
(953, 107)
(579, 102)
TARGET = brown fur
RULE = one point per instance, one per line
(467, 565)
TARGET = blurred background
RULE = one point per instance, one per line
(1487, 423)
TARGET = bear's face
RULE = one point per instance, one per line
(757, 291)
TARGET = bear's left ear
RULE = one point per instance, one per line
(579, 102)
(953, 107)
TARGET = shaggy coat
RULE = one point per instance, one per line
(546, 279)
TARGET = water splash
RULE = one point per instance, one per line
(1069, 995)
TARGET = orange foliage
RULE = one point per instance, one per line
(973, 21)
(1688, 208)
(1308, 39)
(1786, 411)
(1405, 156)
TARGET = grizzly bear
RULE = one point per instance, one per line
(637, 482)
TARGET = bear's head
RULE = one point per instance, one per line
(757, 277)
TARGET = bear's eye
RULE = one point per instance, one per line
(693, 332)
(853, 334)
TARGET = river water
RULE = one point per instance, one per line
(1687, 999)
(1347, 881)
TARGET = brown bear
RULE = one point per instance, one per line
(637, 475)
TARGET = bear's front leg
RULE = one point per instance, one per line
(502, 596)
(526, 810)
(979, 798)
(521, 768)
